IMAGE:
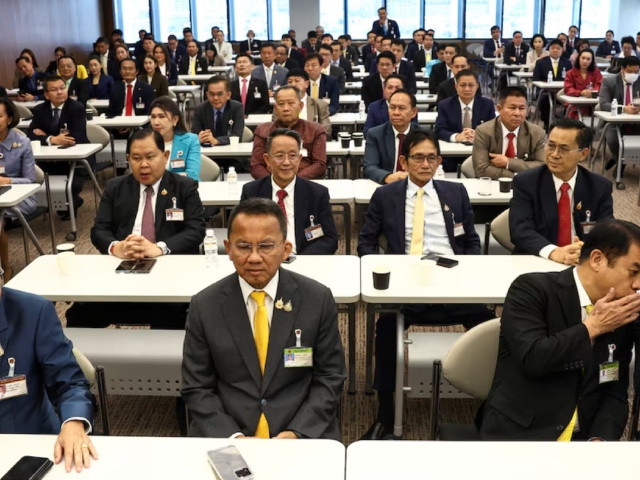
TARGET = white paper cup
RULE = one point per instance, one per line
(423, 271)
(66, 262)
(234, 141)
(484, 186)
(66, 247)
(35, 146)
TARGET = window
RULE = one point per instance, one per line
(131, 17)
(247, 15)
(480, 16)
(208, 14)
(442, 16)
(518, 15)
(279, 16)
(559, 16)
(597, 18)
(361, 15)
(172, 16)
(332, 17)
(406, 13)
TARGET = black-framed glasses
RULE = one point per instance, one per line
(561, 149)
(420, 159)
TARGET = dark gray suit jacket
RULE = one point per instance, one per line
(221, 382)
(232, 120)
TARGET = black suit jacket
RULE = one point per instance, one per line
(447, 89)
(385, 216)
(232, 120)
(371, 89)
(143, 93)
(119, 206)
(328, 88)
(510, 51)
(183, 65)
(346, 66)
(547, 365)
(290, 64)
(544, 66)
(392, 29)
(366, 51)
(179, 52)
(253, 105)
(33, 85)
(438, 75)
(420, 60)
(309, 198)
(533, 218)
(78, 88)
(254, 47)
(72, 114)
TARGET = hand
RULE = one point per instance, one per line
(499, 160)
(270, 93)
(205, 136)
(569, 254)
(40, 133)
(63, 140)
(136, 247)
(395, 176)
(5, 180)
(287, 434)
(513, 59)
(609, 313)
(467, 135)
(631, 108)
(585, 93)
(25, 97)
(76, 446)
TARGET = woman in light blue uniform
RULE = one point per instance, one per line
(184, 147)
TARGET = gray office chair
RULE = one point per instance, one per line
(96, 379)
(467, 168)
(500, 230)
(209, 170)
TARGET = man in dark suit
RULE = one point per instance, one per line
(303, 202)
(230, 341)
(76, 88)
(283, 60)
(349, 52)
(292, 53)
(108, 60)
(256, 93)
(558, 66)
(251, 45)
(609, 47)
(402, 66)
(192, 63)
(424, 55)
(416, 44)
(372, 84)
(555, 206)
(369, 47)
(312, 110)
(441, 72)
(211, 41)
(493, 47)
(448, 88)
(148, 44)
(384, 143)
(444, 212)
(508, 144)
(271, 73)
(187, 36)
(339, 60)
(321, 85)
(138, 49)
(312, 42)
(219, 118)
(562, 371)
(142, 94)
(327, 68)
(385, 26)
(379, 110)
(572, 38)
(176, 51)
(515, 53)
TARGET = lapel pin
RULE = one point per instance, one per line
(579, 206)
(180, 153)
(163, 192)
(279, 304)
(287, 306)
(446, 207)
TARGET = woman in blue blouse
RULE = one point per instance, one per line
(99, 85)
(17, 165)
(183, 146)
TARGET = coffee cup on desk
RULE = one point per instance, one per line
(35, 146)
(89, 113)
(505, 184)
(234, 140)
(358, 139)
(423, 271)
(345, 139)
(381, 277)
(66, 258)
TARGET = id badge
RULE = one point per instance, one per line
(140, 106)
(13, 386)
(257, 95)
(587, 225)
(458, 229)
(174, 214)
(314, 231)
(609, 371)
(2, 170)
(178, 163)
(298, 356)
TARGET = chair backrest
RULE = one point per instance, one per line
(39, 175)
(97, 134)
(86, 366)
(471, 361)
(209, 170)
(500, 230)
(467, 168)
(19, 132)
(247, 135)
(23, 112)
(180, 82)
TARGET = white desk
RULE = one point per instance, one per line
(12, 197)
(225, 69)
(476, 279)
(496, 460)
(552, 88)
(426, 98)
(175, 457)
(615, 121)
(427, 118)
(32, 104)
(98, 103)
(579, 102)
(198, 77)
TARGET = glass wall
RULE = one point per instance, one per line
(480, 16)
(330, 19)
(559, 16)
(361, 15)
(131, 17)
(248, 15)
(596, 18)
(172, 16)
(208, 14)
(443, 16)
(279, 15)
(518, 15)
(405, 12)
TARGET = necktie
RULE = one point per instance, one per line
(148, 224)
(56, 119)
(567, 433)
(281, 195)
(564, 216)
(517, 52)
(417, 229)
(314, 90)
(555, 69)
(192, 66)
(510, 152)
(268, 73)
(129, 103)
(448, 73)
(261, 338)
(400, 141)
(104, 64)
(243, 93)
(466, 118)
(428, 55)
(627, 99)
(218, 124)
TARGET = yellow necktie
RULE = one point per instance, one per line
(428, 56)
(314, 90)
(261, 337)
(555, 69)
(417, 230)
(192, 68)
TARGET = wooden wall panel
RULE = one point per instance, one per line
(41, 25)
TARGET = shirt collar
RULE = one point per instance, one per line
(270, 288)
(557, 183)
(396, 132)
(216, 110)
(462, 105)
(412, 188)
(582, 293)
(133, 84)
(505, 130)
(289, 188)
(155, 187)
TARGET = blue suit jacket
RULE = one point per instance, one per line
(489, 47)
(393, 31)
(378, 114)
(533, 218)
(101, 90)
(330, 88)
(309, 198)
(30, 332)
(385, 216)
(186, 146)
(380, 152)
(449, 119)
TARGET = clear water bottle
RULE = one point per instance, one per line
(614, 107)
(550, 77)
(232, 180)
(210, 247)
(564, 72)
(362, 111)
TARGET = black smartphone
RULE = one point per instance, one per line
(290, 259)
(136, 266)
(62, 147)
(4, 188)
(29, 468)
(441, 261)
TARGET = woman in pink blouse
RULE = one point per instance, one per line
(583, 80)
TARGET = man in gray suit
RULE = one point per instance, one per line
(271, 73)
(312, 109)
(237, 378)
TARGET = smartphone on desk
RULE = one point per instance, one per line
(4, 188)
(290, 259)
(28, 468)
(136, 266)
(228, 464)
(62, 147)
(441, 261)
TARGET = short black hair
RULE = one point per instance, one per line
(172, 37)
(337, 42)
(187, 30)
(258, 206)
(298, 72)
(467, 72)
(494, 28)
(584, 134)
(394, 75)
(60, 49)
(102, 40)
(453, 45)
(538, 35)
(280, 132)
(286, 35)
(312, 56)
(244, 55)
(116, 31)
(386, 54)
(557, 42)
(611, 32)
(516, 32)
(218, 79)
(50, 79)
(612, 237)
(326, 47)
(267, 45)
(412, 97)
(460, 55)
(11, 110)
(415, 137)
(628, 39)
(398, 41)
(66, 57)
(141, 134)
(631, 61)
(327, 35)
(512, 92)
(149, 36)
(312, 34)
(129, 59)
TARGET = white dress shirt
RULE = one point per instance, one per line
(133, 100)
(268, 73)
(288, 205)
(225, 50)
(462, 107)
(271, 290)
(557, 183)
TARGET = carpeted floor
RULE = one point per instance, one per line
(155, 416)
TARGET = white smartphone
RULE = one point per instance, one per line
(228, 464)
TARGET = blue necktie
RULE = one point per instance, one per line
(218, 124)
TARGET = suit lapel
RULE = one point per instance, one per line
(567, 294)
(498, 135)
(390, 144)
(548, 199)
(523, 141)
(164, 201)
(398, 206)
(581, 201)
(446, 206)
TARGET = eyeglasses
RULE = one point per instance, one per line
(280, 157)
(246, 249)
(561, 149)
(419, 159)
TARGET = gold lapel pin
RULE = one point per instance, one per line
(579, 206)
(164, 191)
(287, 306)
(279, 304)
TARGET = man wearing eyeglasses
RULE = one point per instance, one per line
(262, 352)
(305, 204)
(554, 207)
(417, 216)
(219, 118)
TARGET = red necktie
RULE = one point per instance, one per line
(148, 224)
(564, 216)
(510, 152)
(129, 104)
(627, 100)
(281, 194)
(243, 93)
(400, 141)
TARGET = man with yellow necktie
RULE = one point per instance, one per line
(565, 344)
(417, 216)
(262, 351)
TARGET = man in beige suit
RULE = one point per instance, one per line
(508, 144)
(313, 110)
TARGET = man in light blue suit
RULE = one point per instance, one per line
(271, 73)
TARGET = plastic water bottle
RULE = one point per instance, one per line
(210, 248)
(550, 77)
(232, 180)
(362, 111)
(564, 72)
(614, 107)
